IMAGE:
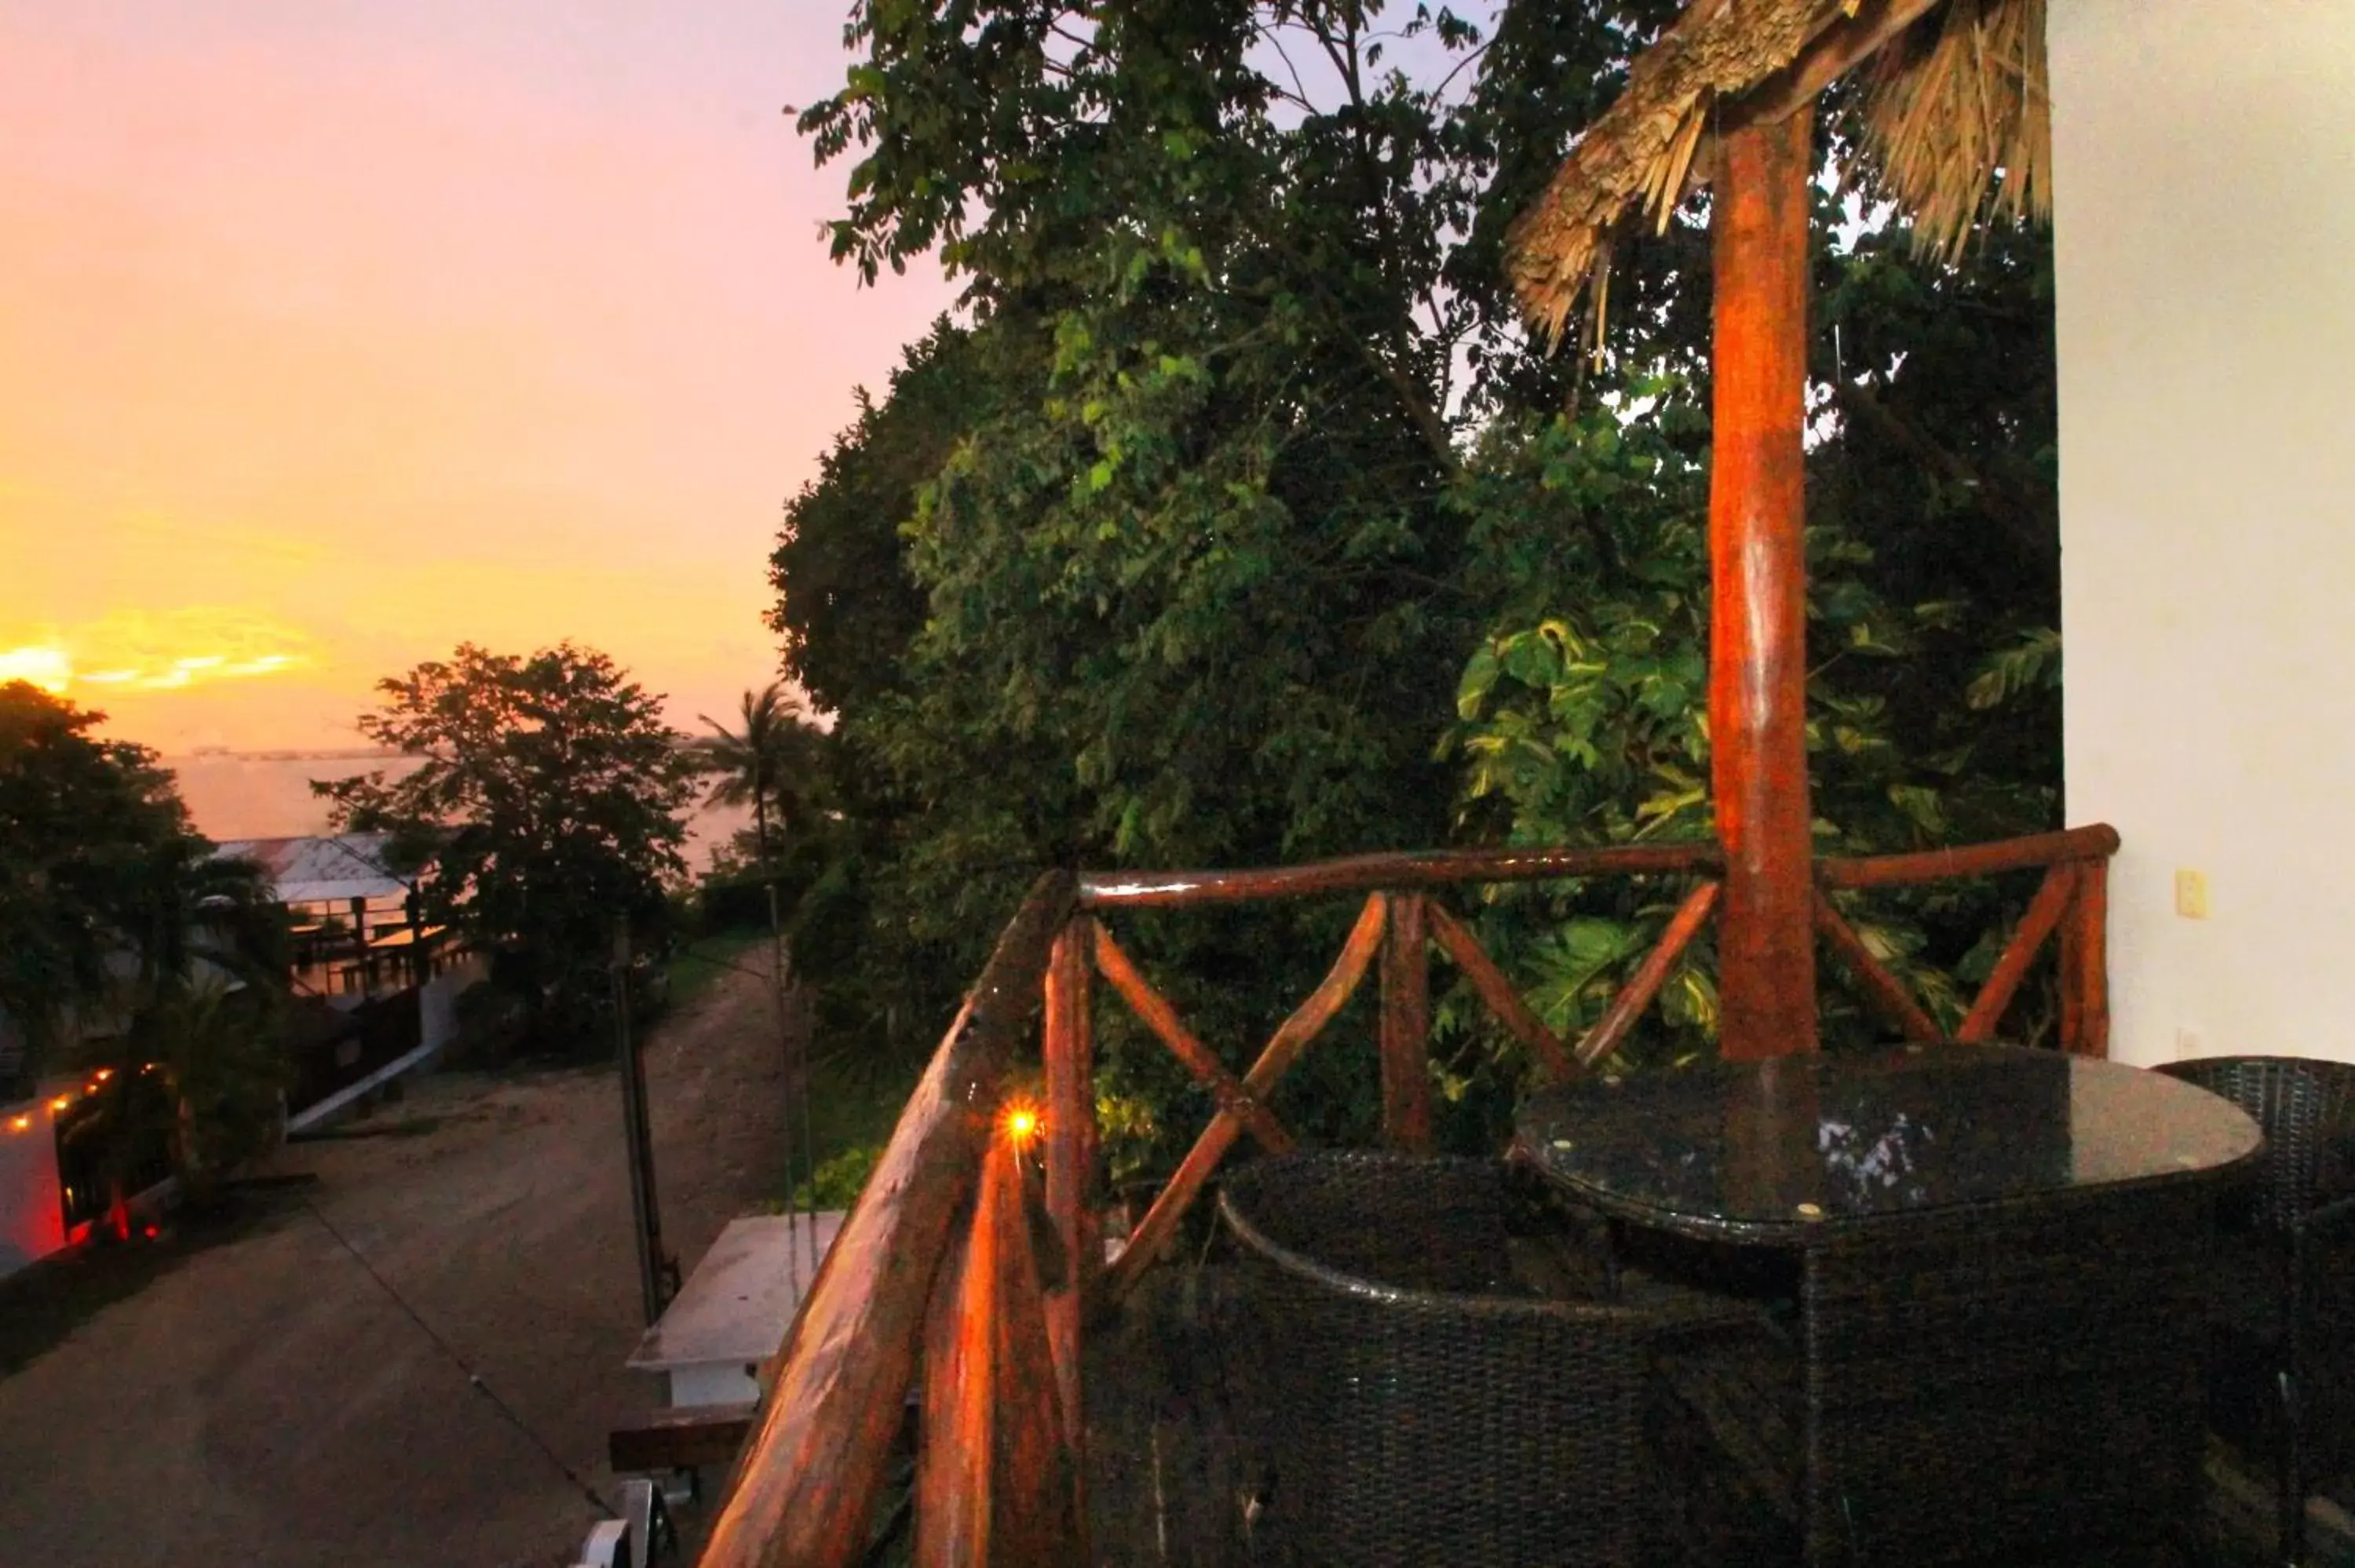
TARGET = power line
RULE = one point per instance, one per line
(603, 1510)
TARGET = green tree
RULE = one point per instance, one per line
(769, 763)
(1267, 453)
(119, 922)
(80, 821)
(847, 600)
(550, 805)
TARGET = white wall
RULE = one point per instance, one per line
(2205, 236)
(32, 1212)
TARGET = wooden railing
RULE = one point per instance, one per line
(975, 1254)
(2073, 899)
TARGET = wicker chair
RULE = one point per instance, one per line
(1421, 1407)
(2286, 1310)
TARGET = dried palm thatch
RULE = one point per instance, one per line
(1957, 93)
(1945, 113)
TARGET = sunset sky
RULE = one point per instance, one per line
(337, 332)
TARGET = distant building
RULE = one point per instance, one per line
(375, 987)
(357, 931)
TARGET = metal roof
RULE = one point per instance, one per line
(321, 870)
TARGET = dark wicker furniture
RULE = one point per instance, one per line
(2284, 1320)
(1423, 1407)
(2001, 1259)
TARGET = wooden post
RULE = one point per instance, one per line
(993, 1483)
(1758, 626)
(805, 1490)
(2084, 964)
(1406, 1027)
(1071, 1171)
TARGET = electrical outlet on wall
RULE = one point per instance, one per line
(2191, 895)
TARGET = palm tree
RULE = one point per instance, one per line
(761, 764)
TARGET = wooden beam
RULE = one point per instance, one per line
(680, 1439)
(1372, 873)
(1159, 1016)
(2043, 913)
(1284, 1048)
(807, 1486)
(1406, 1026)
(1827, 57)
(1758, 616)
(2086, 964)
(2098, 842)
(1883, 989)
(1496, 988)
(1645, 983)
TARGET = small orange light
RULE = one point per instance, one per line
(20, 1124)
(104, 1073)
(63, 1102)
(1021, 1124)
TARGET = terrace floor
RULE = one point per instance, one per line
(1173, 1478)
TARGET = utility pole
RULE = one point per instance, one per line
(656, 1268)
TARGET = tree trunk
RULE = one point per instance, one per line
(1758, 642)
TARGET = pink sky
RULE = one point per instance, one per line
(338, 333)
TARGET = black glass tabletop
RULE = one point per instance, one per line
(1771, 1150)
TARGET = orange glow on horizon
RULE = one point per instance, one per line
(136, 652)
(46, 668)
(337, 337)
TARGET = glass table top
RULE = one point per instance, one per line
(1774, 1148)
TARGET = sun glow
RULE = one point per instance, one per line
(47, 668)
(141, 652)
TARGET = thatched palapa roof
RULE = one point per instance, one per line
(1955, 92)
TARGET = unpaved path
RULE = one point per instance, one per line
(259, 1398)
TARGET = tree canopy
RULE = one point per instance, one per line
(551, 806)
(1241, 521)
(122, 932)
(101, 871)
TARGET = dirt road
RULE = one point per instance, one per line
(260, 1398)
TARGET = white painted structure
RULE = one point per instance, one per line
(735, 1308)
(2204, 196)
(437, 1026)
(32, 1205)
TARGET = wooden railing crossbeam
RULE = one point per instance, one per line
(2043, 914)
(1376, 872)
(1290, 1039)
(1882, 989)
(1644, 984)
(2098, 842)
(1496, 988)
(1158, 1015)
